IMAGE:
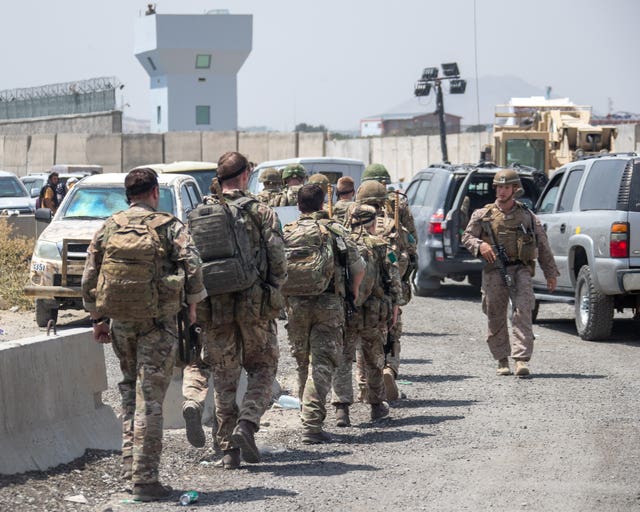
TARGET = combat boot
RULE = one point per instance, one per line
(503, 367)
(390, 386)
(342, 415)
(193, 421)
(231, 459)
(316, 437)
(151, 492)
(522, 369)
(243, 436)
(379, 411)
(126, 473)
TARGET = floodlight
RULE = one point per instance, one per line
(450, 69)
(430, 73)
(422, 88)
(457, 86)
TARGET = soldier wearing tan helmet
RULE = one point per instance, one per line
(510, 238)
(272, 182)
(322, 181)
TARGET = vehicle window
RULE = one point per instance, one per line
(194, 194)
(526, 152)
(548, 200)
(530, 193)
(187, 203)
(634, 195)
(602, 185)
(412, 191)
(480, 192)
(570, 189)
(11, 187)
(418, 198)
(167, 201)
(102, 202)
(203, 178)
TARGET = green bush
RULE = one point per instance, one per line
(15, 255)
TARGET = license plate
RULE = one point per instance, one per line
(38, 267)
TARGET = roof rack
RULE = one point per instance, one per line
(603, 155)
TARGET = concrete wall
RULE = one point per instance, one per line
(215, 144)
(105, 150)
(71, 148)
(311, 144)
(140, 149)
(15, 154)
(50, 401)
(281, 146)
(182, 146)
(42, 152)
(255, 146)
(98, 122)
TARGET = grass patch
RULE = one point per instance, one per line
(15, 256)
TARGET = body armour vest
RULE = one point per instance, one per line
(514, 231)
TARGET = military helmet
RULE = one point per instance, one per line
(321, 180)
(376, 172)
(371, 192)
(270, 175)
(507, 177)
(294, 170)
(362, 214)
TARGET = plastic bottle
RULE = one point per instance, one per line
(288, 402)
(188, 497)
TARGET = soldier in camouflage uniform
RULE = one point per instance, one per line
(242, 330)
(380, 293)
(321, 180)
(519, 232)
(272, 183)
(145, 347)
(345, 192)
(293, 177)
(316, 322)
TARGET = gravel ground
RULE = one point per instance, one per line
(462, 439)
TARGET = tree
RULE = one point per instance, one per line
(304, 127)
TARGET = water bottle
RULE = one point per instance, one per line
(288, 402)
(188, 497)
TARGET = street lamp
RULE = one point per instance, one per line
(430, 79)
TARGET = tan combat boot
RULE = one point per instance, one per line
(503, 367)
(342, 415)
(390, 386)
(522, 369)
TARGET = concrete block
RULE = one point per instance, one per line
(51, 409)
(435, 151)
(2, 152)
(389, 153)
(105, 150)
(41, 153)
(453, 148)
(281, 146)
(255, 146)
(349, 148)
(71, 148)
(404, 160)
(140, 149)
(420, 145)
(376, 149)
(182, 146)
(15, 154)
(215, 144)
(311, 144)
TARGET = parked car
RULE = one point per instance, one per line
(61, 249)
(14, 197)
(442, 198)
(202, 172)
(590, 210)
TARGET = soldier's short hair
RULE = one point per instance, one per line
(231, 164)
(310, 198)
(140, 181)
(345, 185)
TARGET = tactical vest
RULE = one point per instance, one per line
(398, 240)
(514, 231)
(288, 196)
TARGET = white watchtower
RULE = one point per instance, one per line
(192, 61)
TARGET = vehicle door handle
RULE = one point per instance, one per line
(563, 228)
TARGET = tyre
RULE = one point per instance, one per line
(594, 309)
(475, 280)
(44, 312)
(427, 287)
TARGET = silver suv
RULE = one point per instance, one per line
(590, 210)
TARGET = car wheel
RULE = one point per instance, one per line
(475, 280)
(44, 312)
(427, 287)
(594, 309)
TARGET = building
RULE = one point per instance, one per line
(407, 124)
(192, 61)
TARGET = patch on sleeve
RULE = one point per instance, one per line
(392, 257)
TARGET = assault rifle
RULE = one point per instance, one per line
(344, 263)
(388, 346)
(501, 262)
(189, 343)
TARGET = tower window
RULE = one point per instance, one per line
(203, 114)
(151, 63)
(203, 61)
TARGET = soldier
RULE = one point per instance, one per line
(345, 191)
(316, 322)
(293, 177)
(322, 181)
(242, 329)
(379, 295)
(272, 183)
(512, 227)
(143, 315)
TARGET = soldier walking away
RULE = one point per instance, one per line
(293, 177)
(508, 236)
(324, 269)
(244, 266)
(48, 193)
(272, 182)
(322, 181)
(378, 297)
(141, 266)
(345, 192)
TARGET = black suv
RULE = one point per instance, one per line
(442, 198)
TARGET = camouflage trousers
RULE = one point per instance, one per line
(195, 383)
(315, 331)
(393, 358)
(229, 347)
(495, 304)
(147, 356)
(369, 343)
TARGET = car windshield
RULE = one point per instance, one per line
(11, 187)
(526, 152)
(101, 202)
(203, 178)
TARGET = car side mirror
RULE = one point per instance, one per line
(43, 215)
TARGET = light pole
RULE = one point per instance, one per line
(430, 79)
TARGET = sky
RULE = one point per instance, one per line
(334, 62)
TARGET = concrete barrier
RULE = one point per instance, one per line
(182, 146)
(71, 148)
(281, 146)
(311, 144)
(215, 144)
(255, 146)
(105, 150)
(15, 154)
(141, 149)
(2, 152)
(51, 409)
(42, 152)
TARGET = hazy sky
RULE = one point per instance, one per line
(336, 61)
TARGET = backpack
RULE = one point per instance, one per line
(220, 233)
(310, 258)
(366, 248)
(131, 271)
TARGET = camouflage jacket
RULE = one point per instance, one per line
(287, 197)
(180, 251)
(340, 210)
(405, 217)
(266, 196)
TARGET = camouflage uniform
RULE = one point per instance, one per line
(316, 330)
(521, 246)
(242, 332)
(287, 197)
(268, 195)
(146, 347)
(340, 209)
(272, 182)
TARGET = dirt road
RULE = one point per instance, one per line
(566, 439)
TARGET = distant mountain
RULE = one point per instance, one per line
(494, 90)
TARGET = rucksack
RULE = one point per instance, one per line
(220, 234)
(131, 270)
(366, 248)
(310, 258)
